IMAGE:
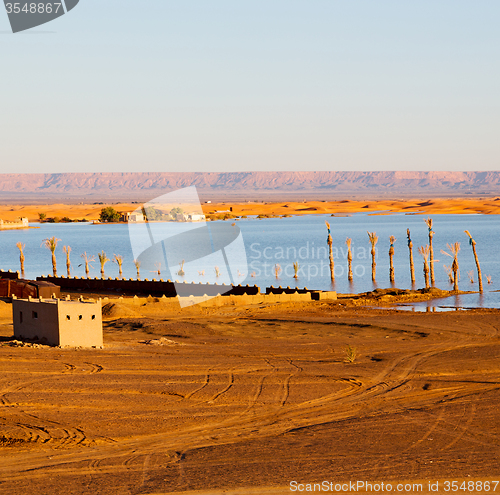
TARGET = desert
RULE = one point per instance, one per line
(91, 212)
(247, 399)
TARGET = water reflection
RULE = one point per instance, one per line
(457, 302)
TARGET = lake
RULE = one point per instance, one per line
(284, 241)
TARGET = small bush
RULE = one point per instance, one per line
(350, 354)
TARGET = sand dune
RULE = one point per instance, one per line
(487, 206)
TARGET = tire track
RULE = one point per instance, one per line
(464, 428)
(96, 368)
(205, 383)
(228, 386)
(286, 383)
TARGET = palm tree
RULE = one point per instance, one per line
(137, 265)
(67, 250)
(51, 245)
(348, 241)
(428, 222)
(373, 241)
(158, 269)
(472, 242)
(296, 267)
(277, 270)
(329, 241)
(412, 267)
(392, 240)
(88, 262)
(103, 259)
(454, 249)
(119, 261)
(181, 271)
(424, 252)
(21, 247)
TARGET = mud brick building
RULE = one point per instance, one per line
(59, 322)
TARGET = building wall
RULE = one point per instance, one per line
(22, 224)
(38, 321)
(64, 323)
(80, 324)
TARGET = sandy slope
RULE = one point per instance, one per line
(419, 206)
(245, 400)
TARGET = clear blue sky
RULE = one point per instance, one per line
(235, 85)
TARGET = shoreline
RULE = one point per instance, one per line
(90, 212)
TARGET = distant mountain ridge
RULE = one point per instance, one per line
(243, 184)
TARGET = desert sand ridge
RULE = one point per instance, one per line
(90, 212)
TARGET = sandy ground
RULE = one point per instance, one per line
(417, 206)
(244, 400)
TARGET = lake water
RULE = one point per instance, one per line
(285, 240)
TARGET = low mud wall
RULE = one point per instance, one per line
(152, 287)
(225, 300)
(9, 275)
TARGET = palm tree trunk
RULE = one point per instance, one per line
(374, 264)
(392, 240)
(472, 242)
(54, 264)
(479, 274)
(454, 267)
(412, 266)
(330, 244)
(21, 257)
(426, 274)
(431, 257)
(349, 260)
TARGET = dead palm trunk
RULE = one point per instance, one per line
(348, 241)
(373, 240)
(67, 250)
(454, 249)
(412, 266)
(424, 252)
(330, 244)
(428, 222)
(472, 242)
(103, 259)
(21, 247)
(392, 240)
(51, 245)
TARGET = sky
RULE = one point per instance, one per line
(261, 85)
